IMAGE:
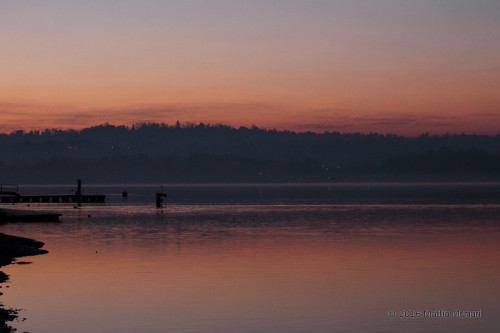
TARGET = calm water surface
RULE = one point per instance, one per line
(264, 258)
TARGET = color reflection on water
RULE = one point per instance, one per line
(259, 268)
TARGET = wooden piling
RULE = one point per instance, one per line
(79, 193)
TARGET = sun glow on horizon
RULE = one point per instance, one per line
(248, 115)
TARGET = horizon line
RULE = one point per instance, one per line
(190, 125)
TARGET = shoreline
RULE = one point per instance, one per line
(11, 248)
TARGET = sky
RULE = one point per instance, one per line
(389, 66)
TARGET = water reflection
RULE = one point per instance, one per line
(261, 268)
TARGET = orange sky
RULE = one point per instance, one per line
(391, 66)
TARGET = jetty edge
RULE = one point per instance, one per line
(21, 215)
(12, 247)
(9, 193)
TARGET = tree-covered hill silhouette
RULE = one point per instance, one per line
(200, 153)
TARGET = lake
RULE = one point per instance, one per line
(264, 258)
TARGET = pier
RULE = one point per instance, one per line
(51, 198)
(10, 194)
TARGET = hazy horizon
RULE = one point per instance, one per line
(41, 129)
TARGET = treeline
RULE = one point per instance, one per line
(153, 153)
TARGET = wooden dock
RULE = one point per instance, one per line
(10, 215)
(9, 193)
(53, 198)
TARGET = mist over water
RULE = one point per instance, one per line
(264, 258)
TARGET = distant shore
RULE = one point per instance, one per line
(12, 247)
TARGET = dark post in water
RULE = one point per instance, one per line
(159, 199)
(79, 193)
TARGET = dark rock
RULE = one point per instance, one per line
(12, 247)
(7, 315)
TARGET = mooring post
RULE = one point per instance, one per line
(79, 193)
(159, 199)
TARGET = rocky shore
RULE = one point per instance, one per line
(12, 247)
